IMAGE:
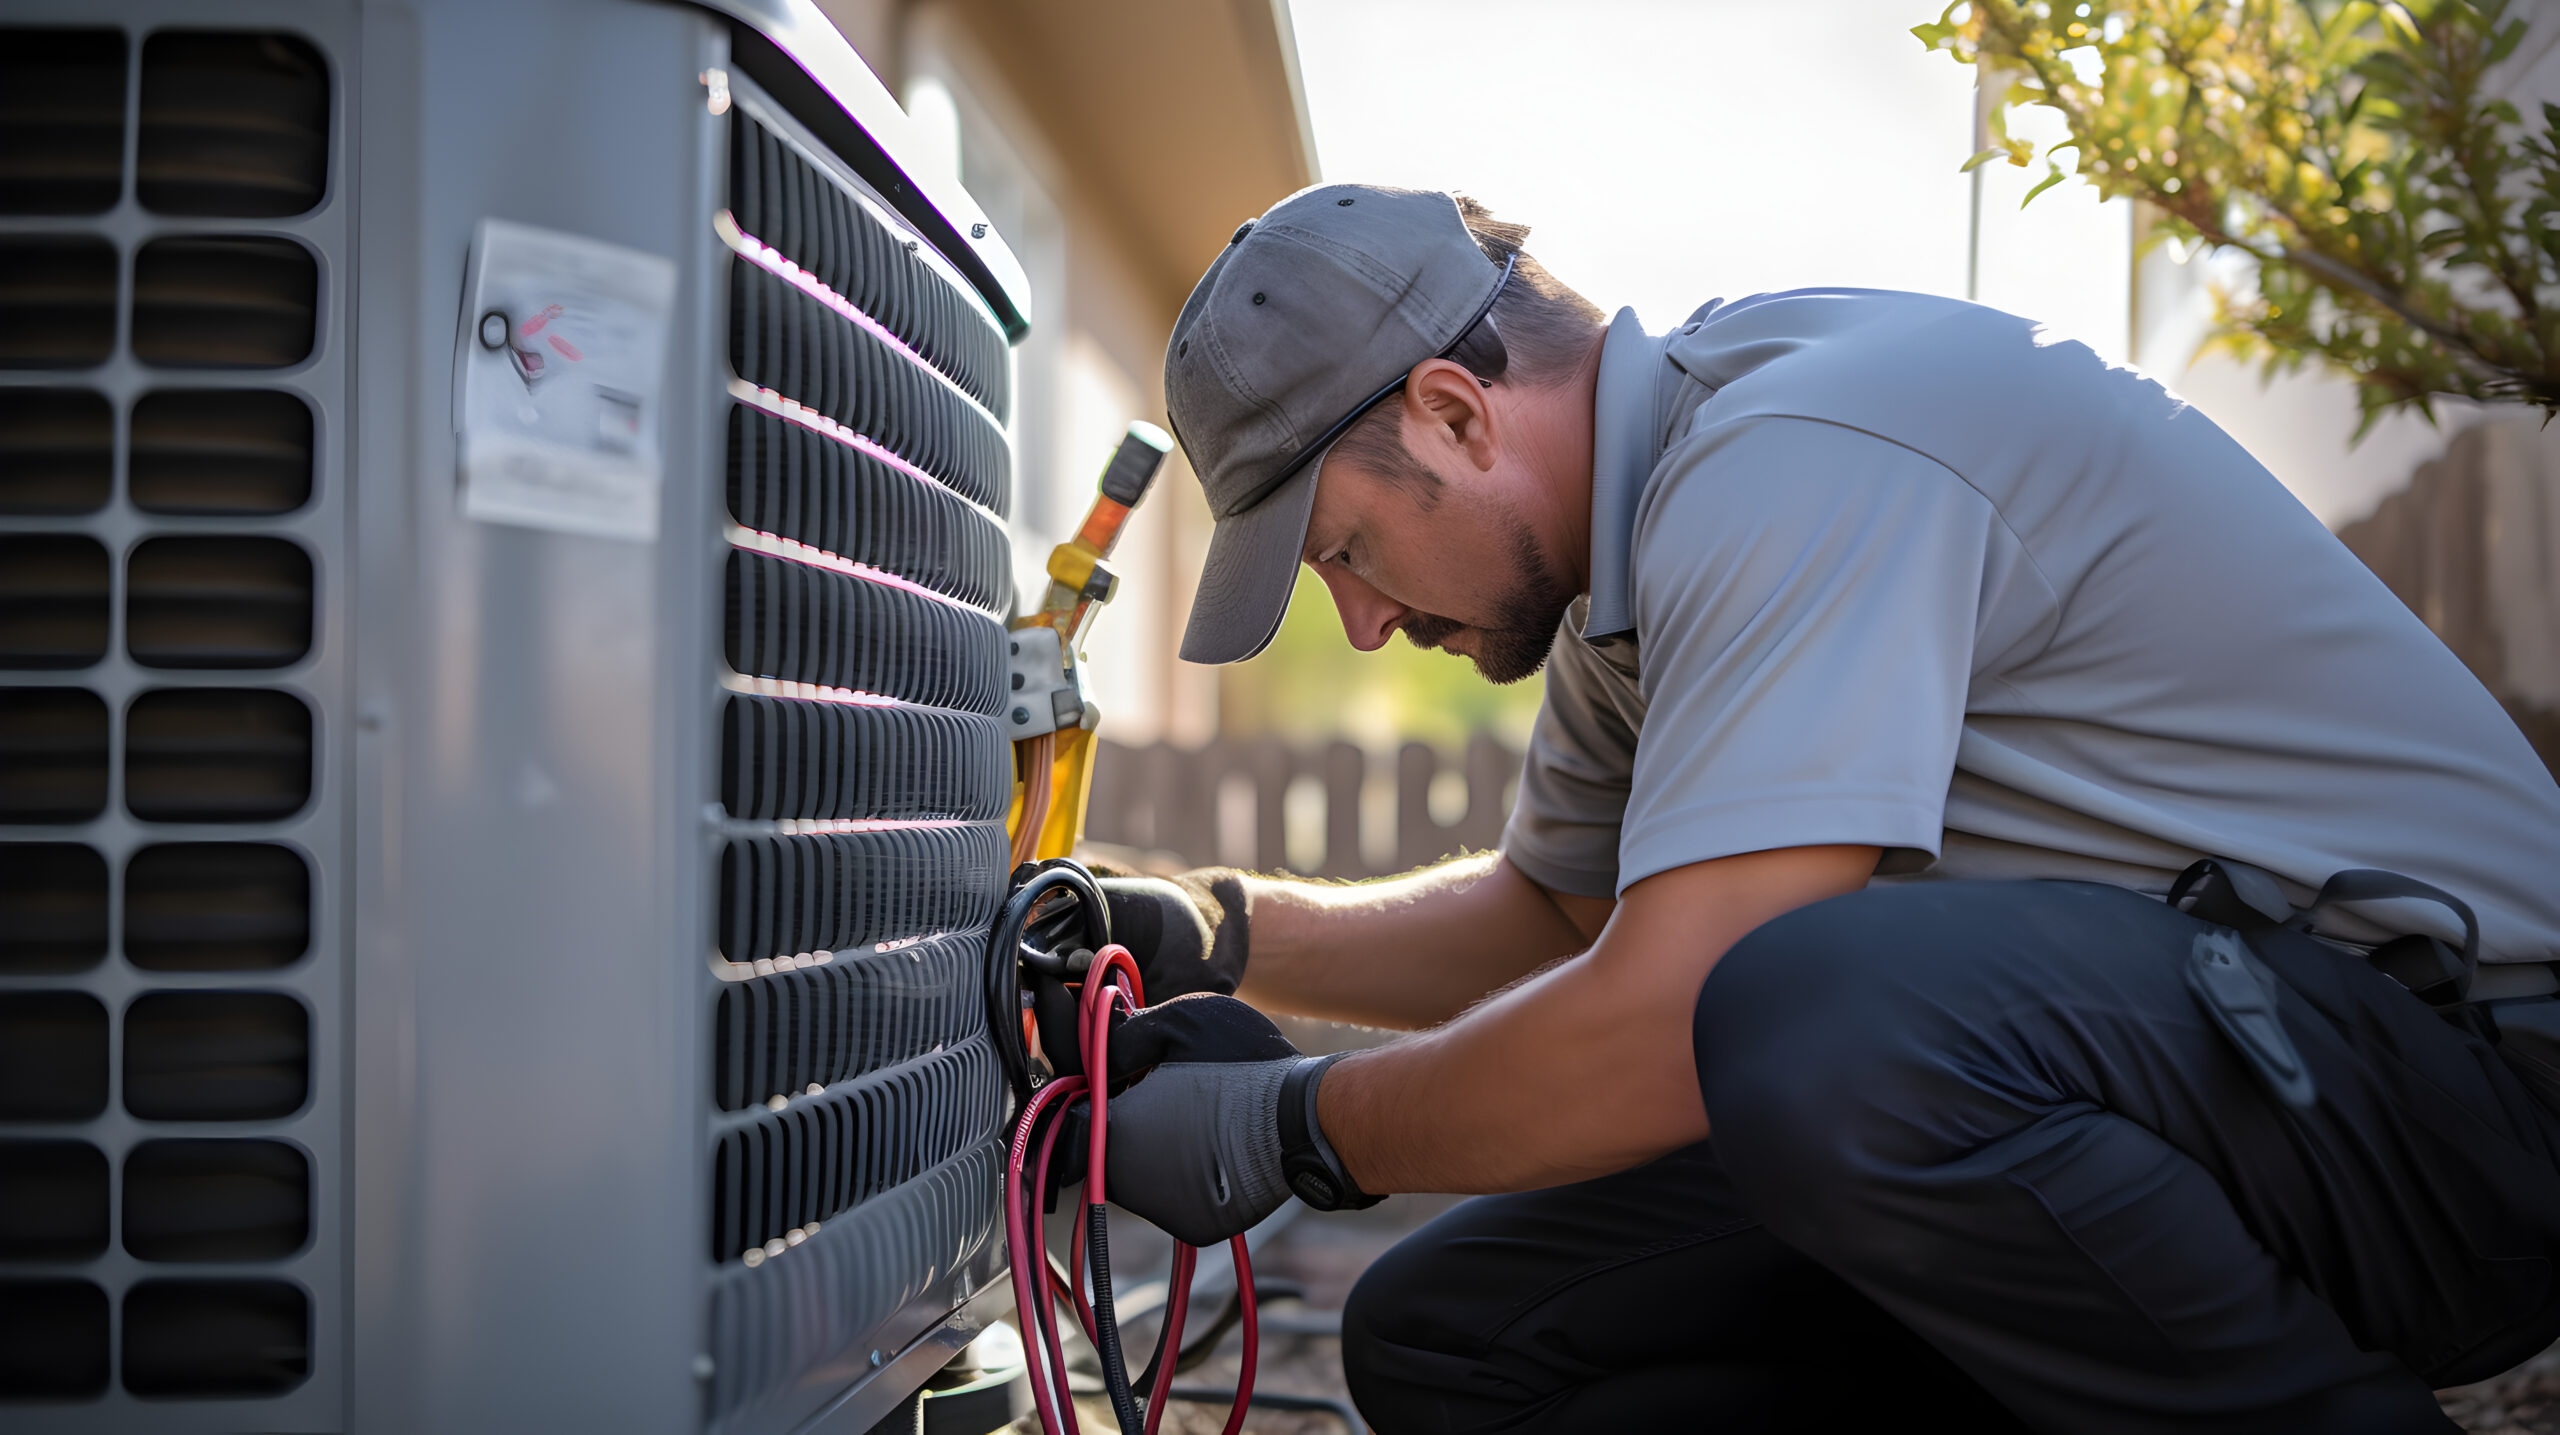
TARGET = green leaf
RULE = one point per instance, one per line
(1985, 157)
(2053, 176)
(2509, 36)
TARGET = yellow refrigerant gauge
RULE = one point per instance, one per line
(1050, 718)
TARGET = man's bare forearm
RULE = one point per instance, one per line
(1409, 951)
(1584, 1070)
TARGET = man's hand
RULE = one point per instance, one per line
(1195, 1139)
(1187, 933)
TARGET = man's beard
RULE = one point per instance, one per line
(1516, 644)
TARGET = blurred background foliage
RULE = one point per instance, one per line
(2400, 213)
(1312, 685)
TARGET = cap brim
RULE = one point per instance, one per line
(1251, 570)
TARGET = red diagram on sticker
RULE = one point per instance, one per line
(535, 326)
(531, 365)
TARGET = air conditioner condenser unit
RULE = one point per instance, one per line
(503, 574)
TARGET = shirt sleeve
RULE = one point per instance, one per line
(1563, 831)
(1806, 597)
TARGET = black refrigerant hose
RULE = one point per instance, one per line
(1044, 942)
(1011, 944)
(1010, 947)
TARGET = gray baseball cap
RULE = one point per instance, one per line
(1312, 316)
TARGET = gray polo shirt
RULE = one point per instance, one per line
(1885, 568)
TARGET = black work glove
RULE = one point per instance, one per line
(1195, 1136)
(1187, 932)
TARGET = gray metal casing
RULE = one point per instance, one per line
(515, 811)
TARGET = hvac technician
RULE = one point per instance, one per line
(1899, 663)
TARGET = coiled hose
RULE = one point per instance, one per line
(1104, 977)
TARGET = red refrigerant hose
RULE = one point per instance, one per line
(1037, 1279)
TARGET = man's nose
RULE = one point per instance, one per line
(1369, 617)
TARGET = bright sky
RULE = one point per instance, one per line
(1668, 152)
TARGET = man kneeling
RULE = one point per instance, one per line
(1997, 894)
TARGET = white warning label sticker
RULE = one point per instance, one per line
(557, 378)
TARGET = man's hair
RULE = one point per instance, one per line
(1537, 335)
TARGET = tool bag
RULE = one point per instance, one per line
(2239, 992)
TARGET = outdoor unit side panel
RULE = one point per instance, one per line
(177, 254)
(531, 978)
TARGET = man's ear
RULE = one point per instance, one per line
(1447, 398)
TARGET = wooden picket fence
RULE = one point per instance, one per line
(1329, 811)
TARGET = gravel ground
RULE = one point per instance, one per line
(1323, 1253)
(1326, 1253)
(2524, 1401)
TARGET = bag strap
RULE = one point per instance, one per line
(2250, 899)
(2231, 894)
(2422, 963)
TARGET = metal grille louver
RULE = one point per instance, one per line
(220, 452)
(820, 1025)
(233, 124)
(218, 602)
(837, 1287)
(61, 121)
(232, 302)
(794, 483)
(863, 775)
(217, 755)
(53, 601)
(215, 907)
(53, 1339)
(57, 451)
(798, 622)
(53, 755)
(53, 907)
(53, 1201)
(843, 761)
(219, 1338)
(790, 896)
(782, 199)
(783, 339)
(775, 1173)
(184, 681)
(53, 1056)
(57, 301)
(216, 1056)
(204, 1201)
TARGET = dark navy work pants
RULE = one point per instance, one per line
(1981, 1161)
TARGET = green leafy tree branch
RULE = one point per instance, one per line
(2401, 214)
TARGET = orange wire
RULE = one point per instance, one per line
(1039, 755)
